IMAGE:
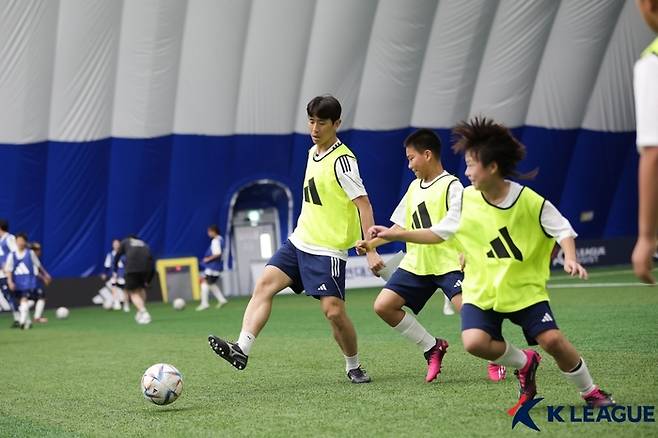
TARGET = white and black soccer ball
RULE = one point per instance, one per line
(178, 304)
(162, 384)
(62, 313)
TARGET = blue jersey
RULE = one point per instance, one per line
(214, 249)
(25, 271)
(109, 265)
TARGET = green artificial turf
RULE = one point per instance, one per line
(80, 376)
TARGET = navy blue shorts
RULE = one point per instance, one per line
(534, 320)
(38, 294)
(319, 276)
(18, 294)
(418, 289)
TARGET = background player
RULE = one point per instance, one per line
(39, 293)
(212, 264)
(22, 268)
(7, 246)
(139, 273)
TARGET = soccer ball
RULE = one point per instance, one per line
(178, 304)
(162, 384)
(62, 313)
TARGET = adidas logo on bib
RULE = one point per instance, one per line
(547, 318)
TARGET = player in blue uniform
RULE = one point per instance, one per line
(116, 278)
(212, 264)
(22, 268)
(7, 246)
(38, 295)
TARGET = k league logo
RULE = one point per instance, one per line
(584, 414)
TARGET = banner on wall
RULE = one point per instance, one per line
(598, 252)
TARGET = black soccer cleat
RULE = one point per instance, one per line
(228, 351)
(358, 375)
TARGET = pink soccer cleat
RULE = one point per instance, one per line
(434, 357)
(496, 372)
(598, 398)
(527, 383)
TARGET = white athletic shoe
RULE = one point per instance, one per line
(221, 304)
(145, 318)
(202, 307)
(126, 307)
(116, 305)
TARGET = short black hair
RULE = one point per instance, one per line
(324, 107)
(22, 235)
(423, 140)
(489, 142)
(35, 245)
(4, 225)
(132, 236)
(213, 227)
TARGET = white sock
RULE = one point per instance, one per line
(581, 378)
(204, 294)
(17, 316)
(38, 308)
(512, 357)
(352, 362)
(411, 329)
(217, 292)
(23, 311)
(245, 341)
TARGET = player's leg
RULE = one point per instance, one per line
(403, 288)
(345, 335)
(116, 297)
(24, 310)
(272, 281)
(217, 292)
(482, 337)
(203, 305)
(40, 298)
(540, 327)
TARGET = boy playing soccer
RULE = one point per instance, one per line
(433, 196)
(115, 278)
(38, 294)
(314, 257)
(507, 232)
(22, 268)
(212, 264)
(7, 246)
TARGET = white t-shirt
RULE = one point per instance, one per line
(646, 100)
(556, 225)
(455, 190)
(347, 172)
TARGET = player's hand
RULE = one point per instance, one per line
(642, 259)
(361, 247)
(206, 259)
(380, 231)
(375, 262)
(11, 285)
(103, 277)
(574, 268)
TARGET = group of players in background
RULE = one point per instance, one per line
(23, 279)
(127, 280)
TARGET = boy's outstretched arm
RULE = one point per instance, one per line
(571, 265)
(423, 236)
